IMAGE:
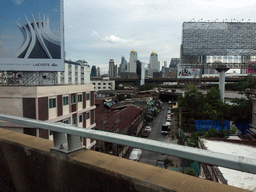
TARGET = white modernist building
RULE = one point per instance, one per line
(132, 65)
(75, 73)
(153, 61)
(39, 41)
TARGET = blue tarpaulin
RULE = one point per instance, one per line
(243, 127)
(207, 124)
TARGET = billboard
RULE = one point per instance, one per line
(219, 38)
(32, 35)
(185, 72)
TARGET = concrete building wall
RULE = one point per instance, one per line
(11, 106)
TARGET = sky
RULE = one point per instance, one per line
(99, 30)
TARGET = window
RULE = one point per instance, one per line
(98, 87)
(65, 100)
(52, 103)
(110, 83)
(79, 98)
(73, 99)
(104, 83)
(93, 83)
(99, 83)
(87, 96)
(88, 115)
(80, 118)
(104, 87)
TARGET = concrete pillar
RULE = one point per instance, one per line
(222, 72)
(222, 84)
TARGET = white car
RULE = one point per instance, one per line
(148, 128)
(135, 154)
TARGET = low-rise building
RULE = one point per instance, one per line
(224, 175)
(70, 104)
(103, 84)
(126, 120)
(74, 73)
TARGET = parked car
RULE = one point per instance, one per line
(160, 163)
(148, 129)
(169, 112)
(135, 154)
(169, 118)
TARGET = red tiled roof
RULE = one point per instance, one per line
(98, 101)
(125, 116)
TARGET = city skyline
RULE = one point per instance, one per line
(98, 31)
(113, 29)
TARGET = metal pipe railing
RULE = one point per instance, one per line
(219, 159)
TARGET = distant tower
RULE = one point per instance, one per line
(142, 78)
(123, 65)
(153, 62)
(132, 62)
(98, 72)
(111, 68)
(165, 64)
(93, 71)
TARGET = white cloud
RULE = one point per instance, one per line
(111, 38)
(18, 2)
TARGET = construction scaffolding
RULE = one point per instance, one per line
(226, 42)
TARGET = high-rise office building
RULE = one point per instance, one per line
(93, 71)
(98, 72)
(153, 62)
(111, 68)
(132, 65)
(123, 65)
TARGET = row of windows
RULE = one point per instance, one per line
(103, 88)
(102, 83)
(52, 101)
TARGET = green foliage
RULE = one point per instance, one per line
(167, 161)
(154, 113)
(193, 140)
(111, 94)
(191, 172)
(121, 97)
(247, 82)
(147, 86)
(241, 110)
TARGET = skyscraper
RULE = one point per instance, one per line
(111, 68)
(123, 65)
(132, 62)
(153, 62)
(98, 72)
(93, 71)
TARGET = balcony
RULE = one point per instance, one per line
(28, 163)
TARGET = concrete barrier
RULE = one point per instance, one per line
(27, 164)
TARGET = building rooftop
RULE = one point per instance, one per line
(125, 116)
(234, 178)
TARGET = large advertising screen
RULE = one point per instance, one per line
(186, 72)
(219, 38)
(31, 35)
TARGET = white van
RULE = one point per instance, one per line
(135, 154)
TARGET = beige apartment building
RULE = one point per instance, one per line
(70, 104)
